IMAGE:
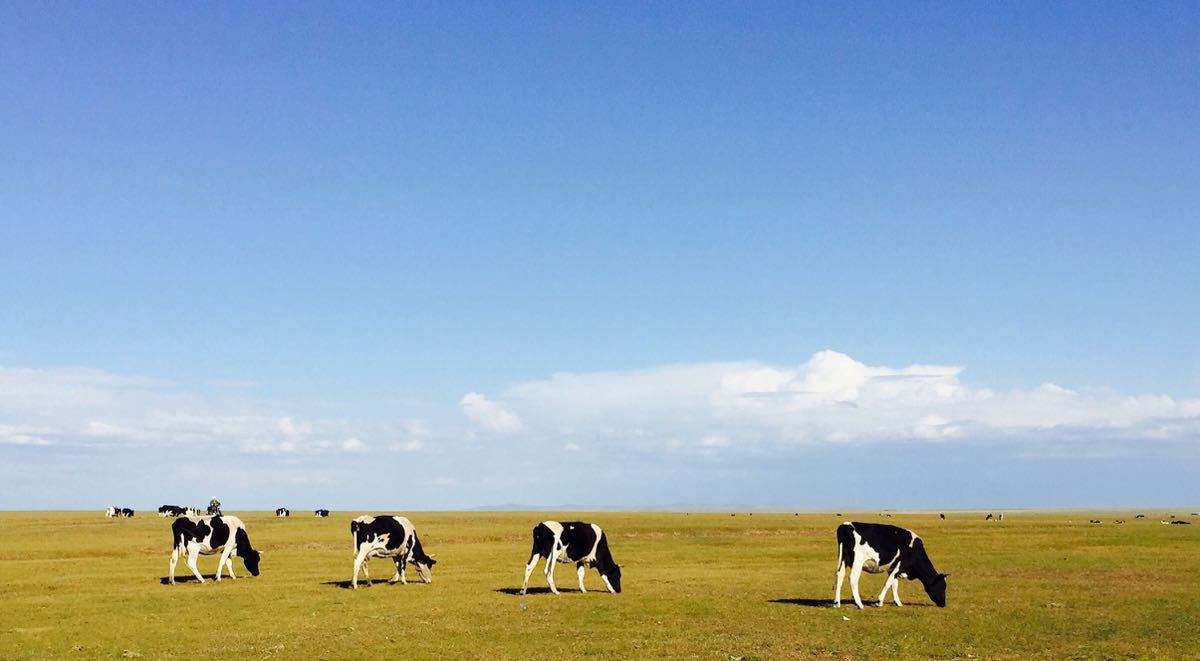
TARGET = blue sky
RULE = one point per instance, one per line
(781, 254)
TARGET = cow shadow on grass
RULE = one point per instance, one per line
(166, 580)
(362, 583)
(517, 591)
(828, 603)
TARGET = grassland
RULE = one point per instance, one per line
(696, 585)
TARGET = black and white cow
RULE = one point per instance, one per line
(112, 512)
(881, 548)
(125, 512)
(584, 544)
(392, 537)
(321, 513)
(283, 511)
(209, 535)
(171, 510)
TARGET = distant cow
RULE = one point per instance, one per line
(1095, 521)
(942, 516)
(283, 511)
(171, 510)
(111, 512)
(125, 512)
(989, 517)
(881, 548)
(1181, 522)
(584, 544)
(392, 537)
(1139, 516)
(209, 535)
(321, 513)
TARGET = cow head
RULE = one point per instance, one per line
(936, 589)
(251, 558)
(612, 576)
(424, 565)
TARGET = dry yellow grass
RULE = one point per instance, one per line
(696, 585)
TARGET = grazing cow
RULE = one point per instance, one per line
(942, 516)
(989, 517)
(584, 544)
(1181, 522)
(1139, 516)
(1119, 521)
(126, 512)
(209, 535)
(283, 511)
(321, 513)
(171, 510)
(111, 512)
(1094, 521)
(881, 548)
(388, 536)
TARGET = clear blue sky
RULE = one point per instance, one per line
(353, 218)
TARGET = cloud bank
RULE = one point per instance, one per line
(831, 398)
(717, 407)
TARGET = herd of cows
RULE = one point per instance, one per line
(875, 548)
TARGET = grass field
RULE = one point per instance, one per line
(696, 585)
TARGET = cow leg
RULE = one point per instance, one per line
(360, 564)
(855, 574)
(896, 591)
(837, 586)
(579, 568)
(550, 562)
(174, 561)
(229, 563)
(533, 559)
(193, 556)
(399, 577)
(887, 585)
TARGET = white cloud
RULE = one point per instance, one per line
(19, 435)
(412, 445)
(831, 398)
(354, 445)
(485, 414)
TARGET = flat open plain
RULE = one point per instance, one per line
(696, 585)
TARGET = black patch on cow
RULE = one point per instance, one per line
(375, 529)
(543, 541)
(249, 556)
(220, 533)
(185, 530)
(418, 556)
(579, 538)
